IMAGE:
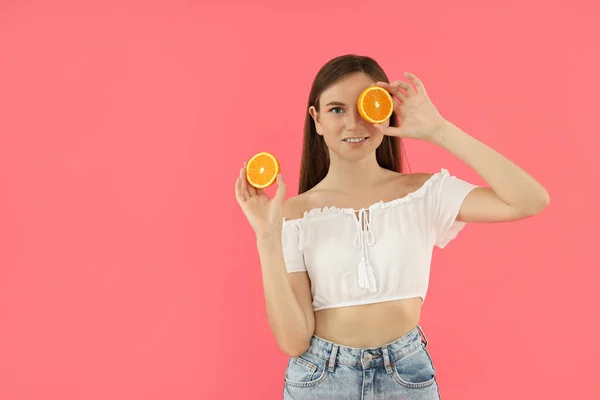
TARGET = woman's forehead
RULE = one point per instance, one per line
(347, 89)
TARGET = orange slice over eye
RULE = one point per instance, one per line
(262, 170)
(375, 104)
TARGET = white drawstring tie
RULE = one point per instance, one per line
(363, 239)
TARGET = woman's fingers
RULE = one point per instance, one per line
(417, 81)
(281, 189)
(397, 107)
(251, 190)
(245, 184)
(239, 195)
(397, 91)
(407, 87)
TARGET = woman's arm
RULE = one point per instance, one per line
(288, 298)
(513, 194)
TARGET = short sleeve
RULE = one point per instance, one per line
(448, 196)
(293, 256)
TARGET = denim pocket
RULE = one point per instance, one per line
(305, 370)
(415, 370)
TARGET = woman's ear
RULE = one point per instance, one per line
(315, 116)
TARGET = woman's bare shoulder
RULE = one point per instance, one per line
(295, 206)
(419, 178)
(409, 182)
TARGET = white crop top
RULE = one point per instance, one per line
(379, 253)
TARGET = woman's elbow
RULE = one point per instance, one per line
(295, 349)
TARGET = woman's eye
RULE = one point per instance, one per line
(336, 110)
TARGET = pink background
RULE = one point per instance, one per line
(127, 270)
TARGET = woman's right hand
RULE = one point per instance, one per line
(264, 214)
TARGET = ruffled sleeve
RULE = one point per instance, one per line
(449, 192)
(292, 254)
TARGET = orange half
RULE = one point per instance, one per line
(262, 170)
(375, 104)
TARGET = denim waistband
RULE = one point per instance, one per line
(367, 357)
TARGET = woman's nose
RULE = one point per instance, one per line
(354, 121)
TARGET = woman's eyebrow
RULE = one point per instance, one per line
(335, 103)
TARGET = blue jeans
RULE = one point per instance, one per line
(401, 369)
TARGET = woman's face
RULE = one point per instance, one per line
(339, 121)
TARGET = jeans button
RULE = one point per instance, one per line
(367, 357)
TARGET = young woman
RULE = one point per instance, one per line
(345, 264)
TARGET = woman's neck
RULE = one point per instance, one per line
(353, 175)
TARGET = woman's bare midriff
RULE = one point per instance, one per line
(368, 325)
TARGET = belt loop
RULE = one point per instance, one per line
(424, 339)
(386, 359)
(332, 357)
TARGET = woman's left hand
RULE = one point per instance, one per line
(419, 118)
